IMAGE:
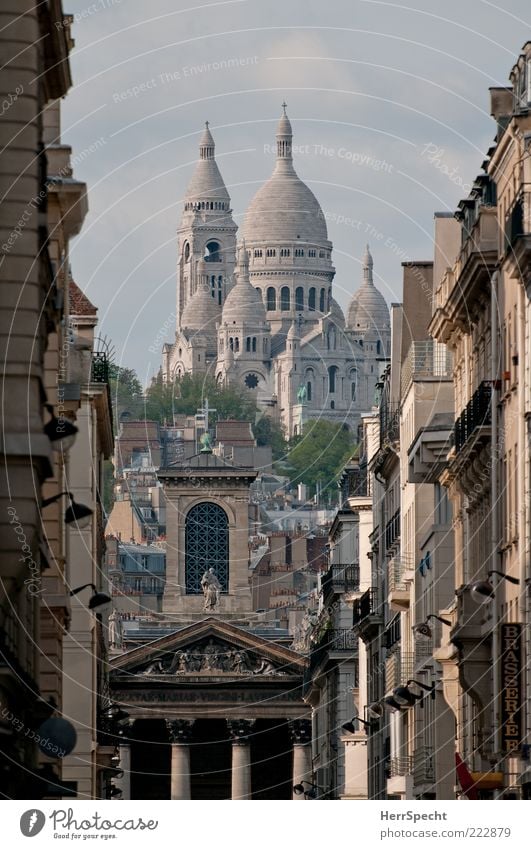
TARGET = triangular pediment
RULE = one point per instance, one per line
(210, 648)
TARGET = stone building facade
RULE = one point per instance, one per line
(267, 319)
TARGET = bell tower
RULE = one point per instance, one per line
(207, 230)
(207, 528)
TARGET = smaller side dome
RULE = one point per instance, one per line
(243, 304)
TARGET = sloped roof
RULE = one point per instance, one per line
(79, 303)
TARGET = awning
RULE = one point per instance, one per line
(464, 776)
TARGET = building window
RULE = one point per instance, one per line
(271, 298)
(248, 344)
(299, 252)
(251, 381)
(285, 252)
(231, 343)
(299, 298)
(311, 252)
(186, 251)
(309, 390)
(311, 299)
(321, 254)
(206, 546)
(332, 375)
(213, 252)
(322, 296)
(258, 252)
(271, 252)
(254, 344)
(284, 298)
(236, 344)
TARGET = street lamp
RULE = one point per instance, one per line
(78, 514)
(61, 432)
(406, 697)
(482, 592)
(99, 601)
(423, 630)
(310, 793)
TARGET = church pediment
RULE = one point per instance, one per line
(210, 648)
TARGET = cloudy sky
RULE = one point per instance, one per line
(389, 104)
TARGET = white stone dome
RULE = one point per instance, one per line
(284, 209)
(336, 313)
(201, 313)
(207, 182)
(367, 309)
(244, 303)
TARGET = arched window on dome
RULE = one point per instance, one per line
(236, 344)
(254, 344)
(284, 298)
(299, 252)
(322, 296)
(248, 344)
(331, 338)
(271, 298)
(321, 254)
(231, 343)
(186, 251)
(299, 299)
(311, 252)
(332, 377)
(311, 299)
(378, 348)
(329, 301)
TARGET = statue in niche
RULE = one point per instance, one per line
(211, 589)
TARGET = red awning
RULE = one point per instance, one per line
(465, 778)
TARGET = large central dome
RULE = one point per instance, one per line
(284, 209)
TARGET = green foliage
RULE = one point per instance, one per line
(319, 455)
(269, 432)
(126, 393)
(188, 394)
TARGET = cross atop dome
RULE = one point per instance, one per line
(206, 144)
(284, 136)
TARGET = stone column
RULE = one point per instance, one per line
(180, 733)
(240, 730)
(301, 734)
(124, 783)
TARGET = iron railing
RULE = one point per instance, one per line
(100, 367)
(389, 424)
(366, 605)
(340, 577)
(392, 529)
(476, 414)
(423, 765)
(400, 765)
(425, 359)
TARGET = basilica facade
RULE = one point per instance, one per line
(259, 312)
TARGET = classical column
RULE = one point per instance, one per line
(240, 730)
(124, 783)
(301, 734)
(180, 732)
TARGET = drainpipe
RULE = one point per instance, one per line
(494, 506)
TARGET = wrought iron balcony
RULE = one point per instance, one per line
(367, 613)
(340, 578)
(398, 669)
(392, 529)
(389, 424)
(100, 367)
(477, 414)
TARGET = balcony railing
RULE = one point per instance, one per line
(476, 414)
(340, 578)
(425, 360)
(366, 606)
(389, 424)
(401, 765)
(423, 765)
(392, 529)
(100, 367)
(398, 669)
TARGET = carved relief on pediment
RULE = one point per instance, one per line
(212, 657)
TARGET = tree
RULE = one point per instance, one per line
(188, 394)
(126, 393)
(269, 432)
(319, 455)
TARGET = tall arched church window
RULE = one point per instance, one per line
(332, 375)
(271, 298)
(311, 299)
(206, 546)
(322, 295)
(299, 299)
(254, 345)
(186, 251)
(284, 298)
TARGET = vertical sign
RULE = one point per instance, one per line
(511, 687)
